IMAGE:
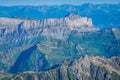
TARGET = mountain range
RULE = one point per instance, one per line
(103, 15)
(57, 43)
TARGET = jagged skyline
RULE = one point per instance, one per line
(54, 2)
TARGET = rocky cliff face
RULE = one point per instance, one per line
(17, 31)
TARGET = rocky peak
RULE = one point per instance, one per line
(73, 16)
(78, 21)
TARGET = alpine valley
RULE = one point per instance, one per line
(60, 42)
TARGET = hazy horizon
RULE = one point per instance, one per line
(54, 2)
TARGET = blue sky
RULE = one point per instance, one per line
(52, 2)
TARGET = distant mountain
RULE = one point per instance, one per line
(103, 15)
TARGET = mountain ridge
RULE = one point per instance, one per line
(101, 14)
(84, 67)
